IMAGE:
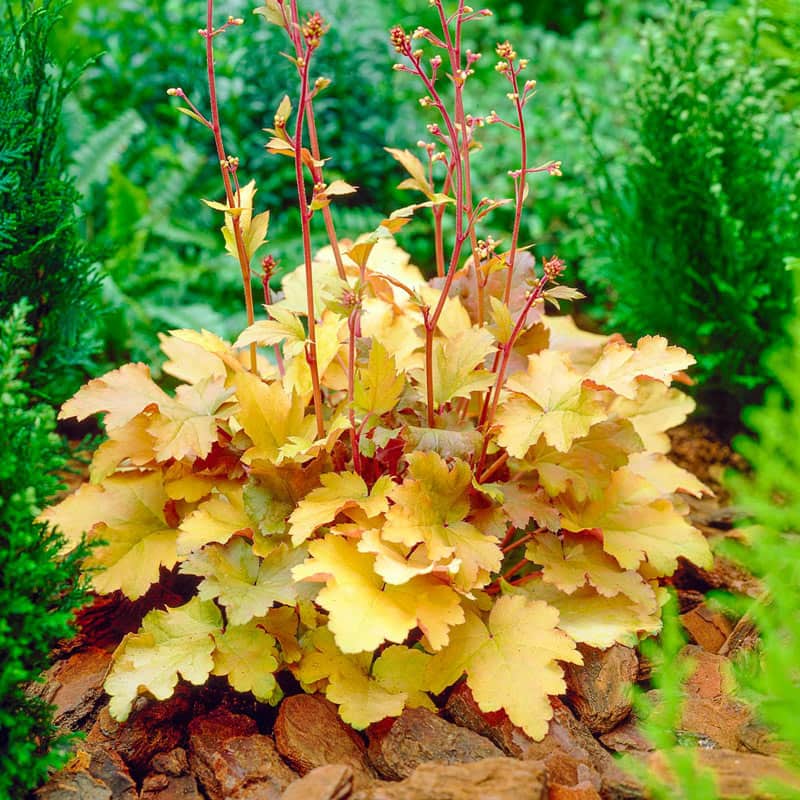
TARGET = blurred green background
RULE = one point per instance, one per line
(142, 168)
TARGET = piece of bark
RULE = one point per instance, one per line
(70, 785)
(724, 574)
(495, 778)
(569, 751)
(418, 736)
(153, 727)
(330, 782)
(709, 711)
(706, 628)
(169, 787)
(739, 776)
(743, 638)
(75, 687)
(309, 733)
(583, 791)
(627, 738)
(208, 733)
(599, 691)
(243, 766)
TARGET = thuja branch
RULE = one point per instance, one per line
(227, 165)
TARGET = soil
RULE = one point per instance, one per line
(210, 743)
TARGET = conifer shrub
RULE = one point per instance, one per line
(39, 591)
(390, 484)
(697, 227)
(42, 257)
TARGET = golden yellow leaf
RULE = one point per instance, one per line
(585, 469)
(132, 444)
(511, 662)
(573, 561)
(178, 641)
(247, 655)
(620, 366)
(339, 492)
(122, 393)
(430, 507)
(281, 622)
(397, 679)
(270, 416)
(187, 428)
(665, 475)
(215, 520)
(127, 512)
(548, 400)
(379, 385)
(637, 524)
(588, 617)
(363, 612)
(246, 585)
(656, 409)
(457, 365)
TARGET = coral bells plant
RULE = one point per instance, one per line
(392, 483)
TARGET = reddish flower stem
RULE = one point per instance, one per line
(493, 397)
(305, 220)
(241, 249)
(276, 347)
(327, 216)
(352, 324)
(519, 185)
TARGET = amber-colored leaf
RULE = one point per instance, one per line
(656, 409)
(270, 417)
(573, 561)
(122, 394)
(127, 512)
(214, 520)
(430, 508)
(588, 617)
(419, 177)
(585, 470)
(457, 365)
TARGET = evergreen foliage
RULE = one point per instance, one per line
(42, 257)
(697, 228)
(38, 591)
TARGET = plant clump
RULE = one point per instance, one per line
(391, 483)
